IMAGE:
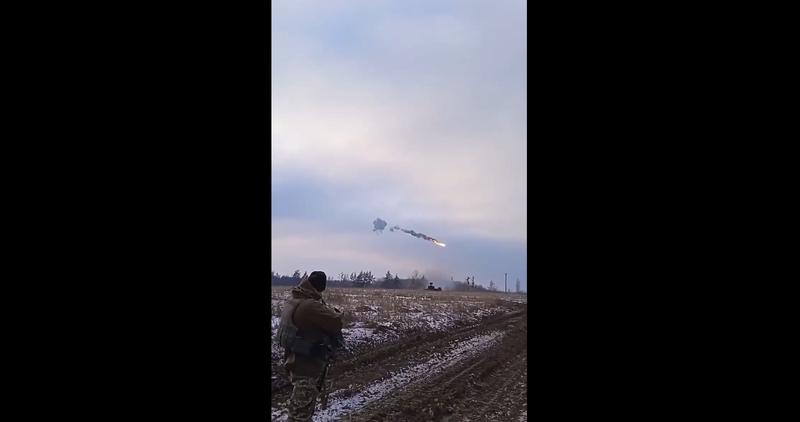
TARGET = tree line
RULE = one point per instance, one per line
(365, 279)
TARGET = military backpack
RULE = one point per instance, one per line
(288, 336)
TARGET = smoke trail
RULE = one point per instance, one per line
(379, 225)
(419, 235)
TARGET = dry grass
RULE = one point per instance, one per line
(375, 307)
(373, 316)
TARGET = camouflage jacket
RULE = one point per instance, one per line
(316, 322)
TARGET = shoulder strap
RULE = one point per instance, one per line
(300, 302)
(291, 317)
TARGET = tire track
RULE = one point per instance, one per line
(498, 402)
(431, 377)
(405, 345)
(460, 391)
(407, 378)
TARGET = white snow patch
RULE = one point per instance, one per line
(357, 335)
(280, 415)
(515, 299)
(276, 351)
(485, 312)
(375, 391)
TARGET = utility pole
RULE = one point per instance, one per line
(506, 282)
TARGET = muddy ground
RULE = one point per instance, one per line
(473, 373)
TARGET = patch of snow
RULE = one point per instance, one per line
(375, 391)
(276, 351)
(481, 313)
(280, 415)
(357, 335)
(515, 299)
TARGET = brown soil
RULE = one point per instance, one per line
(487, 386)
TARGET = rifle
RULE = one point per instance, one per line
(323, 386)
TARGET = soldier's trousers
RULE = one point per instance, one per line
(303, 399)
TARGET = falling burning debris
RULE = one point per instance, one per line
(380, 224)
(419, 235)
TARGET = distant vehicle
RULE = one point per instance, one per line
(436, 289)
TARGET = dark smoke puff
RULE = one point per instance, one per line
(379, 225)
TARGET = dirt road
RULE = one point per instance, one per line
(475, 373)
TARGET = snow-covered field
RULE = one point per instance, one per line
(375, 316)
(418, 355)
(339, 405)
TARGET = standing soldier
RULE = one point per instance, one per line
(310, 331)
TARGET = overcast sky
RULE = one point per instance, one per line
(411, 111)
